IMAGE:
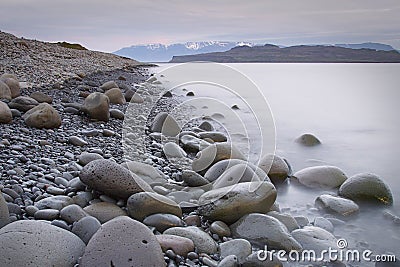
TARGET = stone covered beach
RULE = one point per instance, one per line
(88, 179)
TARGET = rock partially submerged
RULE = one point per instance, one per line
(338, 205)
(325, 177)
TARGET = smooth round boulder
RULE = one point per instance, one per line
(5, 113)
(123, 242)
(215, 136)
(77, 141)
(324, 177)
(366, 186)
(202, 241)
(262, 258)
(193, 179)
(261, 229)
(97, 106)
(136, 98)
(314, 238)
(193, 144)
(117, 114)
(165, 124)
(228, 204)
(104, 211)
(276, 168)
(36, 243)
(109, 85)
(72, 213)
(220, 228)
(112, 179)
(145, 171)
(41, 97)
(143, 204)
(172, 150)
(115, 95)
(42, 116)
(214, 153)
(287, 219)
(13, 84)
(241, 248)
(5, 92)
(23, 103)
(336, 205)
(180, 245)
(308, 140)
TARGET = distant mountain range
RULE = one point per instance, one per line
(165, 53)
(296, 54)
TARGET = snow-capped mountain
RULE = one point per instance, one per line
(164, 53)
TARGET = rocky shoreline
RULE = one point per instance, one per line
(90, 177)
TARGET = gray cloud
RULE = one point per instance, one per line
(108, 26)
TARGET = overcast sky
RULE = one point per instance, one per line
(109, 25)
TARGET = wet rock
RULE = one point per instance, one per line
(41, 97)
(42, 116)
(97, 106)
(325, 177)
(47, 214)
(287, 219)
(104, 211)
(23, 103)
(214, 153)
(220, 228)
(262, 259)
(115, 95)
(136, 98)
(337, 205)
(180, 245)
(228, 204)
(261, 229)
(239, 173)
(145, 171)
(215, 136)
(202, 241)
(112, 179)
(193, 144)
(25, 241)
(206, 126)
(366, 186)
(193, 179)
(143, 204)
(163, 221)
(165, 124)
(323, 223)
(123, 242)
(5, 113)
(276, 168)
(314, 238)
(308, 140)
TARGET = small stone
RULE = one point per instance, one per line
(55, 202)
(215, 136)
(87, 157)
(5, 113)
(76, 141)
(220, 228)
(308, 140)
(190, 93)
(337, 205)
(41, 97)
(143, 204)
(165, 124)
(202, 241)
(109, 85)
(290, 223)
(104, 211)
(117, 114)
(5, 92)
(241, 248)
(115, 95)
(163, 221)
(276, 167)
(23, 103)
(314, 238)
(47, 214)
(180, 245)
(172, 150)
(72, 213)
(323, 223)
(228, 261)
(193, 179)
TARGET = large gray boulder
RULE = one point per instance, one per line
(5, 92)
(336, 205)
(97, 106)
(5, 113)
(36, 243)
(4, 214)
(325, 177)
(112, 179)
(13, 84)
(228, 204)
(261, 229)
(315, 238)
(123, 242)
(276, 167)
(308, 140)
(165, 124)
(104, 211)
(42, 116)
(145, 171)
(366, 186)
(115, 95)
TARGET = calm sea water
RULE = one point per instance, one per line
(354, 110)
